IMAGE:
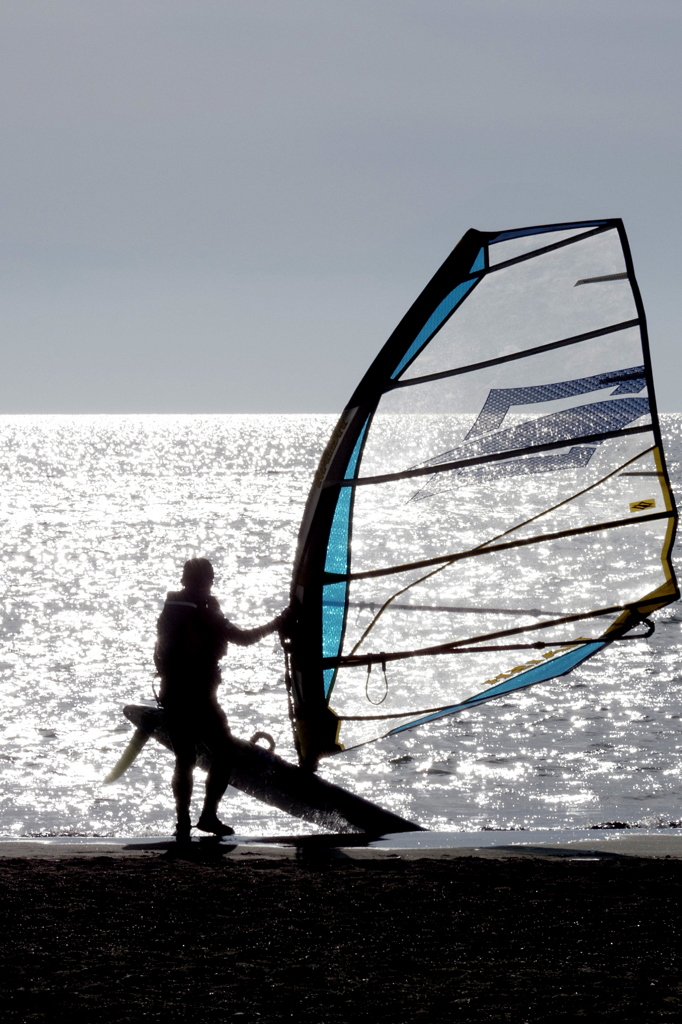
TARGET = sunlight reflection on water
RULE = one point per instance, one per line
(98, 514)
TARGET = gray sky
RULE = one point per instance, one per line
(227, 205)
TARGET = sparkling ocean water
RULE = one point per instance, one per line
(98, 515)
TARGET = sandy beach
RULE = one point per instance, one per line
(320, 937)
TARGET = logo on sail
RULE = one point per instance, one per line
(641, 506)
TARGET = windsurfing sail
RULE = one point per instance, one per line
(493, 506)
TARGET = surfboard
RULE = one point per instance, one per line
(268, 777)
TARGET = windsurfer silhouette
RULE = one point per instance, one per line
(193, 635)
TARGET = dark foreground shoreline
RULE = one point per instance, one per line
(327, 941)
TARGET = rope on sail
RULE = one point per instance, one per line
(456, 646)
(499, 536)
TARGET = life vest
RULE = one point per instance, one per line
(190, 643)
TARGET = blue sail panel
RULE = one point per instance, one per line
(436, 320)
(337, 546)
(336, 561)
(539, 674)
(352, 467)
(524, 232)
(333, 612)
(479, 262)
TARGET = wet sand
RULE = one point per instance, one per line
(320, 938)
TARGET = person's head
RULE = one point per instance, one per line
(197, 574)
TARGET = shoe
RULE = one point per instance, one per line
(211, 823)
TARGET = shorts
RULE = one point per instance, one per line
(195, 726)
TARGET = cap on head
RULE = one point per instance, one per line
(197, 572)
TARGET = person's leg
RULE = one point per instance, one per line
(217, 781)
(215, 734)
(184, 748)
(182, 791)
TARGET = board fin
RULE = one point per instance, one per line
(139, 738)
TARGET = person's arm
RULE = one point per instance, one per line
(246, 637)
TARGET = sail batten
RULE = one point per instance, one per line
(502, 418)
(457, 646)
(512, 356)
(493, 549)
(448, 467)
(542, 250)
